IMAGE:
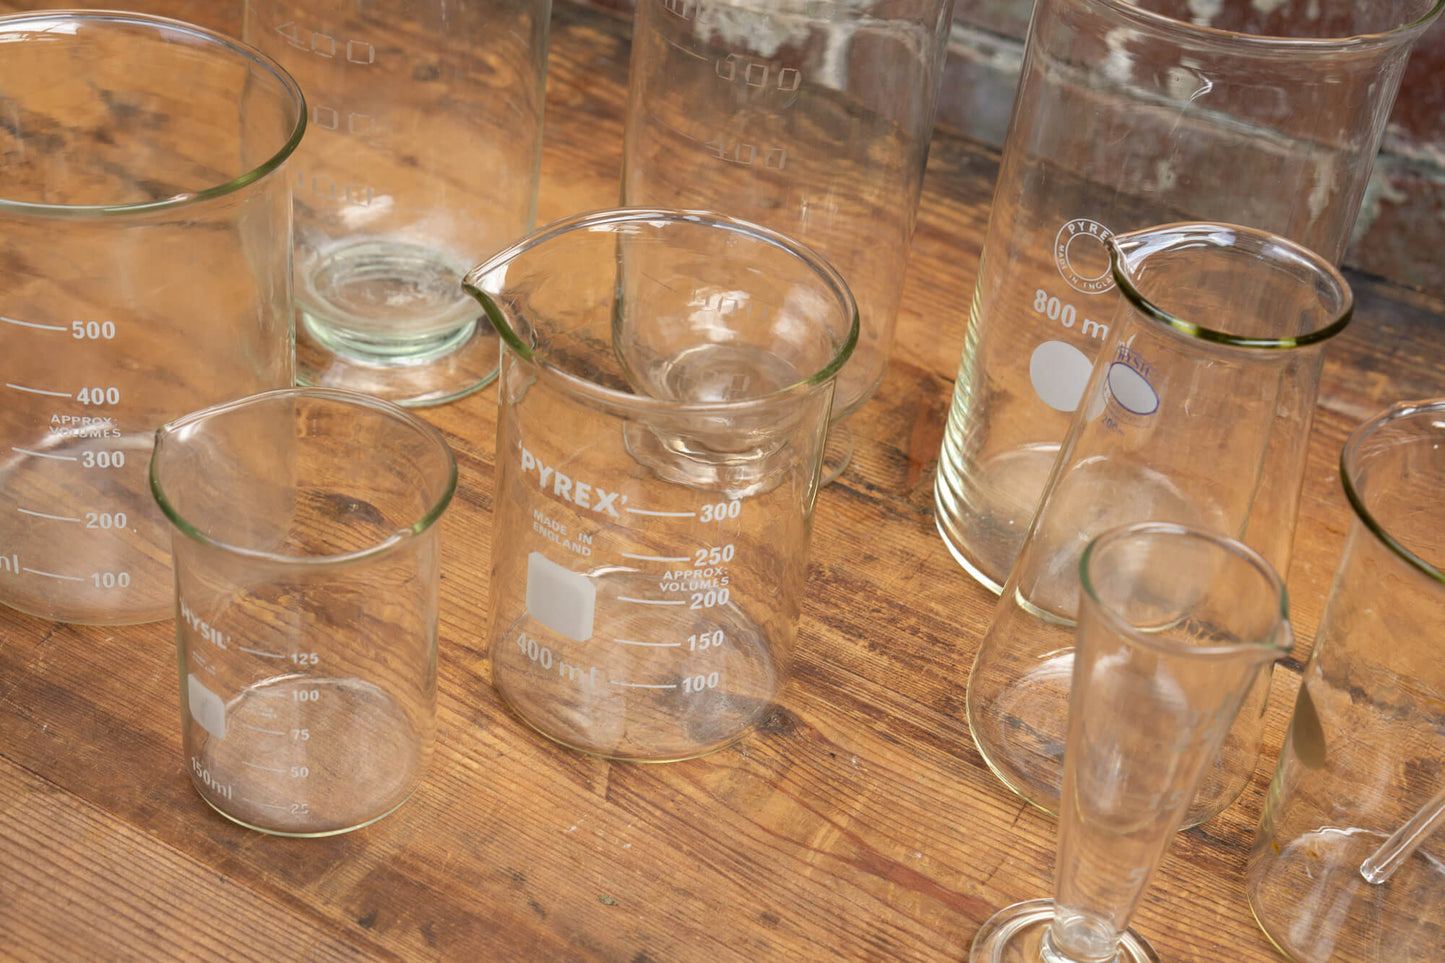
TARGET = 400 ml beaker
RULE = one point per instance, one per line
(145, 271)
(1131, 114)
(665, 389)
(1199, 414)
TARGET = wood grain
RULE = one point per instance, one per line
(858, 824)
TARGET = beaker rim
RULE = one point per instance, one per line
(168, 25)
(630, 401)
(1310, 46)
(427, 518)
(1403, 409)
(1280, 640)
(1210, 230)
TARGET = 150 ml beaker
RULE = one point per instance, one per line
(1364, 757)
(1128, 115)
(810, 117)
(306, 565)
(145, 271)
(422, 158)
(665, 389)
(1198, 414)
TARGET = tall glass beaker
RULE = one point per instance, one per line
(1349, 861)
(422, 159)
(1199, 414)
(810, 117)
(1131, 114)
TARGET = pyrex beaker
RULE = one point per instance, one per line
(810, 117)
(666, 380)
(1198, 413)
(1365, 752)
(145, 271)
(306, 567)
(1130, 114)
(421, 159)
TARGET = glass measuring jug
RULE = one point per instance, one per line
(145, 271)
(1130, 114)
(422, 158)
(664, 396)
(1175, 624)
(306, 579)
(810, 117)
(1364, 757)
(1198, 413)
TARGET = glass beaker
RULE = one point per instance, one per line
(1198, 413)
(306, 579)
(810, 117)
(1130, 114)
(145, 271)
(664, 397)
(1365, 751)
(422, 158)
(1174, 627)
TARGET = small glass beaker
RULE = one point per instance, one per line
(665, 389)
(422, 158)
(1175, 625)
(306, 580)
(1364, 757)
(1198, 413)
(145, 271)
(810, 117)
(1130, 114)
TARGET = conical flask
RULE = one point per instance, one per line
(1197, 412)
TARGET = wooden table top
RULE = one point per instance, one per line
(861, 824)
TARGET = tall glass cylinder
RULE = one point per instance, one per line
(1131, 114)
(809, 117)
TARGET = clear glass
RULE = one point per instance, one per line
(1199, 413)
(665, 389)
(811, 117)
(1131, 114)
(145, 271)
(1175, 625)
(422, 158)
(1331, 875)
(306, 579)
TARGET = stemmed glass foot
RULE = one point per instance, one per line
(1016, 934)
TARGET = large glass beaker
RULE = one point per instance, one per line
(145, 271)
(1127, 115)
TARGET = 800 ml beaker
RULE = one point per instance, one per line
(665, 388)
(145, 271)
(1131, 114)
(1199, 414)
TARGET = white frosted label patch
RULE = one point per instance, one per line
(559, 598)
(206, 707)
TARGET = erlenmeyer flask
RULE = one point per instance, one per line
(1197, 413)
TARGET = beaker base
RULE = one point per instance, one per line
(1311, 901)
(985, 530)
(303, 756)
(1015, 935)
(390, 319)
(838, 453)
